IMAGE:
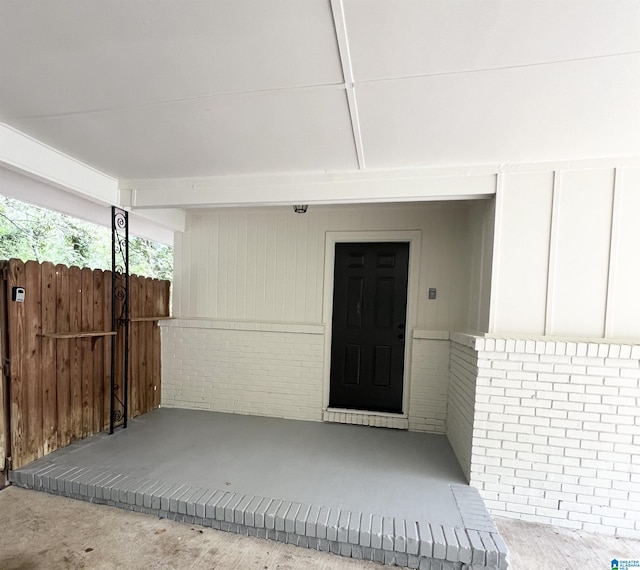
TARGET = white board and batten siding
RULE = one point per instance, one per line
(566, 259)
(249, 293)
(555, 424)
(267, 264)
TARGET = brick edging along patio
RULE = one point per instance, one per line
(388, 540)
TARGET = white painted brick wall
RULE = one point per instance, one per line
(276, 369)
(429, 384)
(257, 372)
(461, 402)
(557, 433)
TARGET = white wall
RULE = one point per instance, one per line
(461, 399)
(272, 369)
(480, 250)
(429, 384)
(566, 253)
(556, 431)
(246, 369)
(267, 264)
(262, 270)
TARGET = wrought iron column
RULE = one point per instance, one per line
(119, 319)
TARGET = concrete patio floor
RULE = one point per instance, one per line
(42, 531)
(378, 494)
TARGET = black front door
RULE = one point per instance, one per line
(369, 314)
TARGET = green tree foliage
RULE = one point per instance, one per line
(31, 233)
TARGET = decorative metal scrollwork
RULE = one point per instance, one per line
(119, 318)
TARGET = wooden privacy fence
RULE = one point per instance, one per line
(58, 345)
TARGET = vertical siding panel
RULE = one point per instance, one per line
(523, 252)
(231, 262)
(290, 265)
(214, 266)
(198, 268)
(582, 248)
(261, 268)
(431, 276)
(479, 243)
(280, 267)
(195, 250)
(320, 260)
(433, 242)
(48, 368)
(179, 264)
(251, 268)
(223, 268)
(269, 265)
(475, 268)
(270, 257)
(201, 265)
(488, 222)
(241, 289)
(311, 299)
(187, 267)
(300, 267)
(623, 309)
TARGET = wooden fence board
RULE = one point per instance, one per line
(134, 350)
(75, 347)
(5, 404)
(63, 323)
(149, 328)
(60, 382)
(33, 386)
(17, 335)
(98, 349)
(48, 361)
(158, 290)
(87, 360)
(106, 352)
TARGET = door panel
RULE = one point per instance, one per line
(369, 314)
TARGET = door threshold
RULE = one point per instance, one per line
(364, 418)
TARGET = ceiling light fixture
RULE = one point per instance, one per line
(300, 209)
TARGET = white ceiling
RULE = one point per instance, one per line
(144, 89)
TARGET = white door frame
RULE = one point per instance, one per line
(414, 237)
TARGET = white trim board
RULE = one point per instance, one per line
(414, 237)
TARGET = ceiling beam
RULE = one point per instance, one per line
(340, 24)
(72, 187)
(348, 188)
(353, 187)
(28, 156)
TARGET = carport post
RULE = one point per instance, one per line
(119, 401)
